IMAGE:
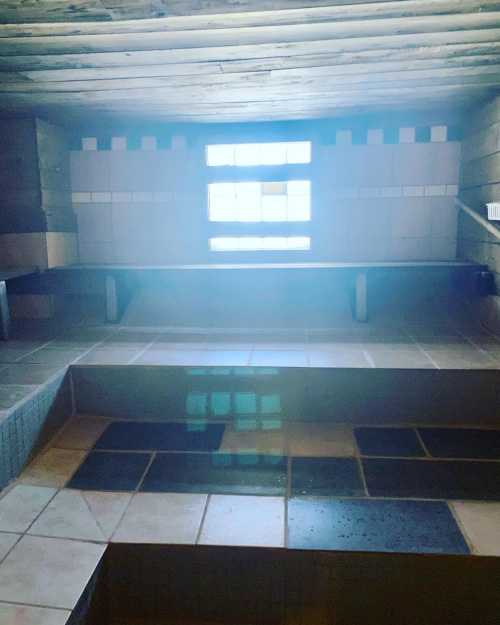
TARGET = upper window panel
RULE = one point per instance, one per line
(255, 154)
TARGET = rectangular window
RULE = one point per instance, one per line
(257, 154)
(258, 244)
(259, 201)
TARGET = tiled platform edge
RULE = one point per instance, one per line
(378, 396)
(29, 423)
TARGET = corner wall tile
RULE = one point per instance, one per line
(375, 136)
(118, 143)
(407, 135)
(415, 191)
(81, 197)
(452, 189)
(343, 137)
(438, 134)
(148, 143)
(89, 144)
(435, 189)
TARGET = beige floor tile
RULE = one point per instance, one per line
(245, 521)
(261, 441)
(68, 516)
(21, 505)
(81, 433)
(171, 518)
(7, 541)
(13, 614)
(481, 522)
(48, 571)
(320, 439)
(53, 468)
(107, 509)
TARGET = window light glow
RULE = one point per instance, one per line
(256, 154)
(259, 201)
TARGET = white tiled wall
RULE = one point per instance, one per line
(369, 202)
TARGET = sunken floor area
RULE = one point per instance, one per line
(353, 458)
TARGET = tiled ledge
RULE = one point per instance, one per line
(433, 190)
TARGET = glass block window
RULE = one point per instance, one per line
(259, 201)
(257, 154)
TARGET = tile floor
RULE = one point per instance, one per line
(295, 485)
(327, 487)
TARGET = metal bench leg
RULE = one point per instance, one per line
(111, 299)
(4, 313)
(361, 303)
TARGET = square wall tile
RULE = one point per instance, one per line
(172, 518)
(48, 571)
(244, 521)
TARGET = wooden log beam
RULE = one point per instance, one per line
(422, 58)
(74, 44)
(276, 79)
(310, 15)
(384, 45)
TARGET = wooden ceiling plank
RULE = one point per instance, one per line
(383, 44)
(256, 79)
(309, 15)
(218, 97)
(73, 44)
(461, 55)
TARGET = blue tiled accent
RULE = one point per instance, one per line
(432, 479)
(110, 471)
(28, 425)
(388, 442)
(461, 443)
(422, 134)
(243, 474)
(326, 476)
(367, 525)
(162, 436)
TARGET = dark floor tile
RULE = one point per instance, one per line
(388, 442)
(433, 479)
(110, 471)
(162, 436)
(368, 525)
(242, 474)
(461, 443)
(326, 476)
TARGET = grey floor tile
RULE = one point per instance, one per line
(21, 505)
(110, 356)
(7, 541)
(48, 571)
(279, 358)
(20, 373)
(53, 357)
(171, 518)
(15, 614)
(244, 521)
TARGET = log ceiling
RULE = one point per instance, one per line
(245, 60)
